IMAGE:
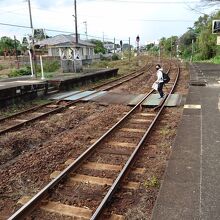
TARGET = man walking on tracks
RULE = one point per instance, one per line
(159, 80)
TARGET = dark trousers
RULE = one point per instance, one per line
(160, 89)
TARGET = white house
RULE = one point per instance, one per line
(65, 46)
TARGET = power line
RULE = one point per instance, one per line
(53, 30)
(13, 12)
(149, 2)
(15, 25)
(163, 20)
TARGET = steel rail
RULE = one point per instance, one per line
(131, 160)
(113, 86)
(28, 207)
(119, 78)
(25, 111)
(32, 203)
(55, 102)
(59, 109)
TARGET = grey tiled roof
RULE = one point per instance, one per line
(62, 40)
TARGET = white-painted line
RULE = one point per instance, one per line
(201, 163)
(219, 104)
(192, 106)
(28, 81)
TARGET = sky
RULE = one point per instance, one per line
(108, 19)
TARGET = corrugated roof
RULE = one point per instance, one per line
(63, 39)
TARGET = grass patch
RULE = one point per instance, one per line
(165, 131)
(47, 75)
(216, 60)
(50, 69)
(152, 182)
(124, 65)
(15, 108)
(20, 72)
(1, 67)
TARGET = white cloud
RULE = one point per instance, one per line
(115, 18)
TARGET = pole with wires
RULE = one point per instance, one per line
(76, 28)
(32, 51)
(129, 41)
(86, 30)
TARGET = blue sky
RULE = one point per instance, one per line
(150, 19)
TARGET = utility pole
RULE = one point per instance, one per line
(76, 29)
(159, 53)
(177, 50)
(114, 45)
(85, 22)
(32, 46)
(192, 50)
(31, 23)
(16, 52)
(103, 38)
(129, 40)
(171, 47)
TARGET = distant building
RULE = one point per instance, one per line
(65, 46)
(109, 47)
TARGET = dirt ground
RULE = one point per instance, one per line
(30, 155)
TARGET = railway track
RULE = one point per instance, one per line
(102, 169)
(20, 119)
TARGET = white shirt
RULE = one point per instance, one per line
(159, 76)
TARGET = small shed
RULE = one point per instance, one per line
(65, 46)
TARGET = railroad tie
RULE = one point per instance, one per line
(96, 180)
(147, 114)
(103, 166)
(51, 106)
(77, 213)
(20, 120)
(140, 120)
(133, 130)
(38, 113)
(122, 144)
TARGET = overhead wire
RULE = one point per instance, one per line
(58, 31)
(125, 1)
(148, 2)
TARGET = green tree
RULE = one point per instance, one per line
(39, 34)
(204, 42)
(207, 44)
(168, 44)
(99, 47)
(8, 45)
(185, 43)
(149, 46)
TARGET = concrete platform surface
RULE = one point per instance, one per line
(19, 83)
(191, 186)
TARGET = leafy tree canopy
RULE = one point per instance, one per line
(8, 45)
(99, 46)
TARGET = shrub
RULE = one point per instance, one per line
(105, 58)
(51, 66)
(20, 72)
(216, 60)
(1, 67)
(152, 182)
(198, 57)
(115, 57)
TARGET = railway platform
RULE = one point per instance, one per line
(191, 189)
(68, 82)
(14, 89)
(25, 88)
